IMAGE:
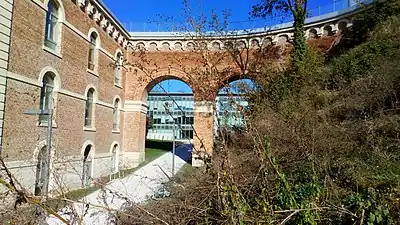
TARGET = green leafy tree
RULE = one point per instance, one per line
(298, 8)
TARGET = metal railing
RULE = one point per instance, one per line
(313, 11)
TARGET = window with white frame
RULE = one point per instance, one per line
(40, 171)
(92, 51)
(114, 159)
(118, 68)
(89, 109)
(52, 25)
(46, 95)
(87, 167)
(116, 115)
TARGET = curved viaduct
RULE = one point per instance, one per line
(156, 56)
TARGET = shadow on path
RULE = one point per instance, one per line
(184, 152)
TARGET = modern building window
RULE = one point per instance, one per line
(92, 51)
(87, 167)
(52, 25)
(116, 115)
(89, 109)
(118, 68)
(46, 95)
(40, 171)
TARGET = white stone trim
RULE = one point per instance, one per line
(204, 106)
(92, 151)
(118, 152)
(89, 129)
(85, 37)
(106, 53)
(53, 52)
(98, 40)
(65, 92)
(72, 94)
(57, 79)
(88, 87)
(111, 18)
(73, 28)
(23, 79)
(40, 4)
(136, 106)
(105, 104)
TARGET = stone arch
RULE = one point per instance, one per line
(228, 45)
(178, 46)
(328, 30)
(283, 39)
(267, 42)
(98, 40)
(231, 78)
(118, 51)
(39, 146)
(153, 46)
(190, 46)
(165, 46)
(255, 43)
(216, 45)
(61, 9)
(57, 78)
(312, 33)
(91, 86)
(115, 145)
(241, 44)
(162, 75)
(342, 25)
(117, 97)
(92, 152)
(140, 46)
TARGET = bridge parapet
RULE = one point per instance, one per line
(326, 25)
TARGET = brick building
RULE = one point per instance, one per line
(74, 57)
(57, 49)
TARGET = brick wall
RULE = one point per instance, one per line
(28, 57)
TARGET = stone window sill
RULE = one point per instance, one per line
(92, 72)
(51, 51)
(116, 131)
(44, 124)
(89, 129)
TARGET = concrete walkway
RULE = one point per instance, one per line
(121, 193)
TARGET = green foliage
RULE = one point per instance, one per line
(375, 14)
(356, 63)
(298, 8)
(370, 206)
(323, 145)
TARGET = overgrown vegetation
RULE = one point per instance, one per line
(322, 147)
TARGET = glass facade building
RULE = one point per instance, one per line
(174, 113)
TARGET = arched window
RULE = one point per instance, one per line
(52, 25)
(87, 166)
(46, 95)
(118, 68)
(89, 109)
(41, 171)
(114, 159)
(116, 115)
(92, 51)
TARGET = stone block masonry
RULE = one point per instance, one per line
(6, 9)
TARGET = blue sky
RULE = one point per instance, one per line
(136, 14)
